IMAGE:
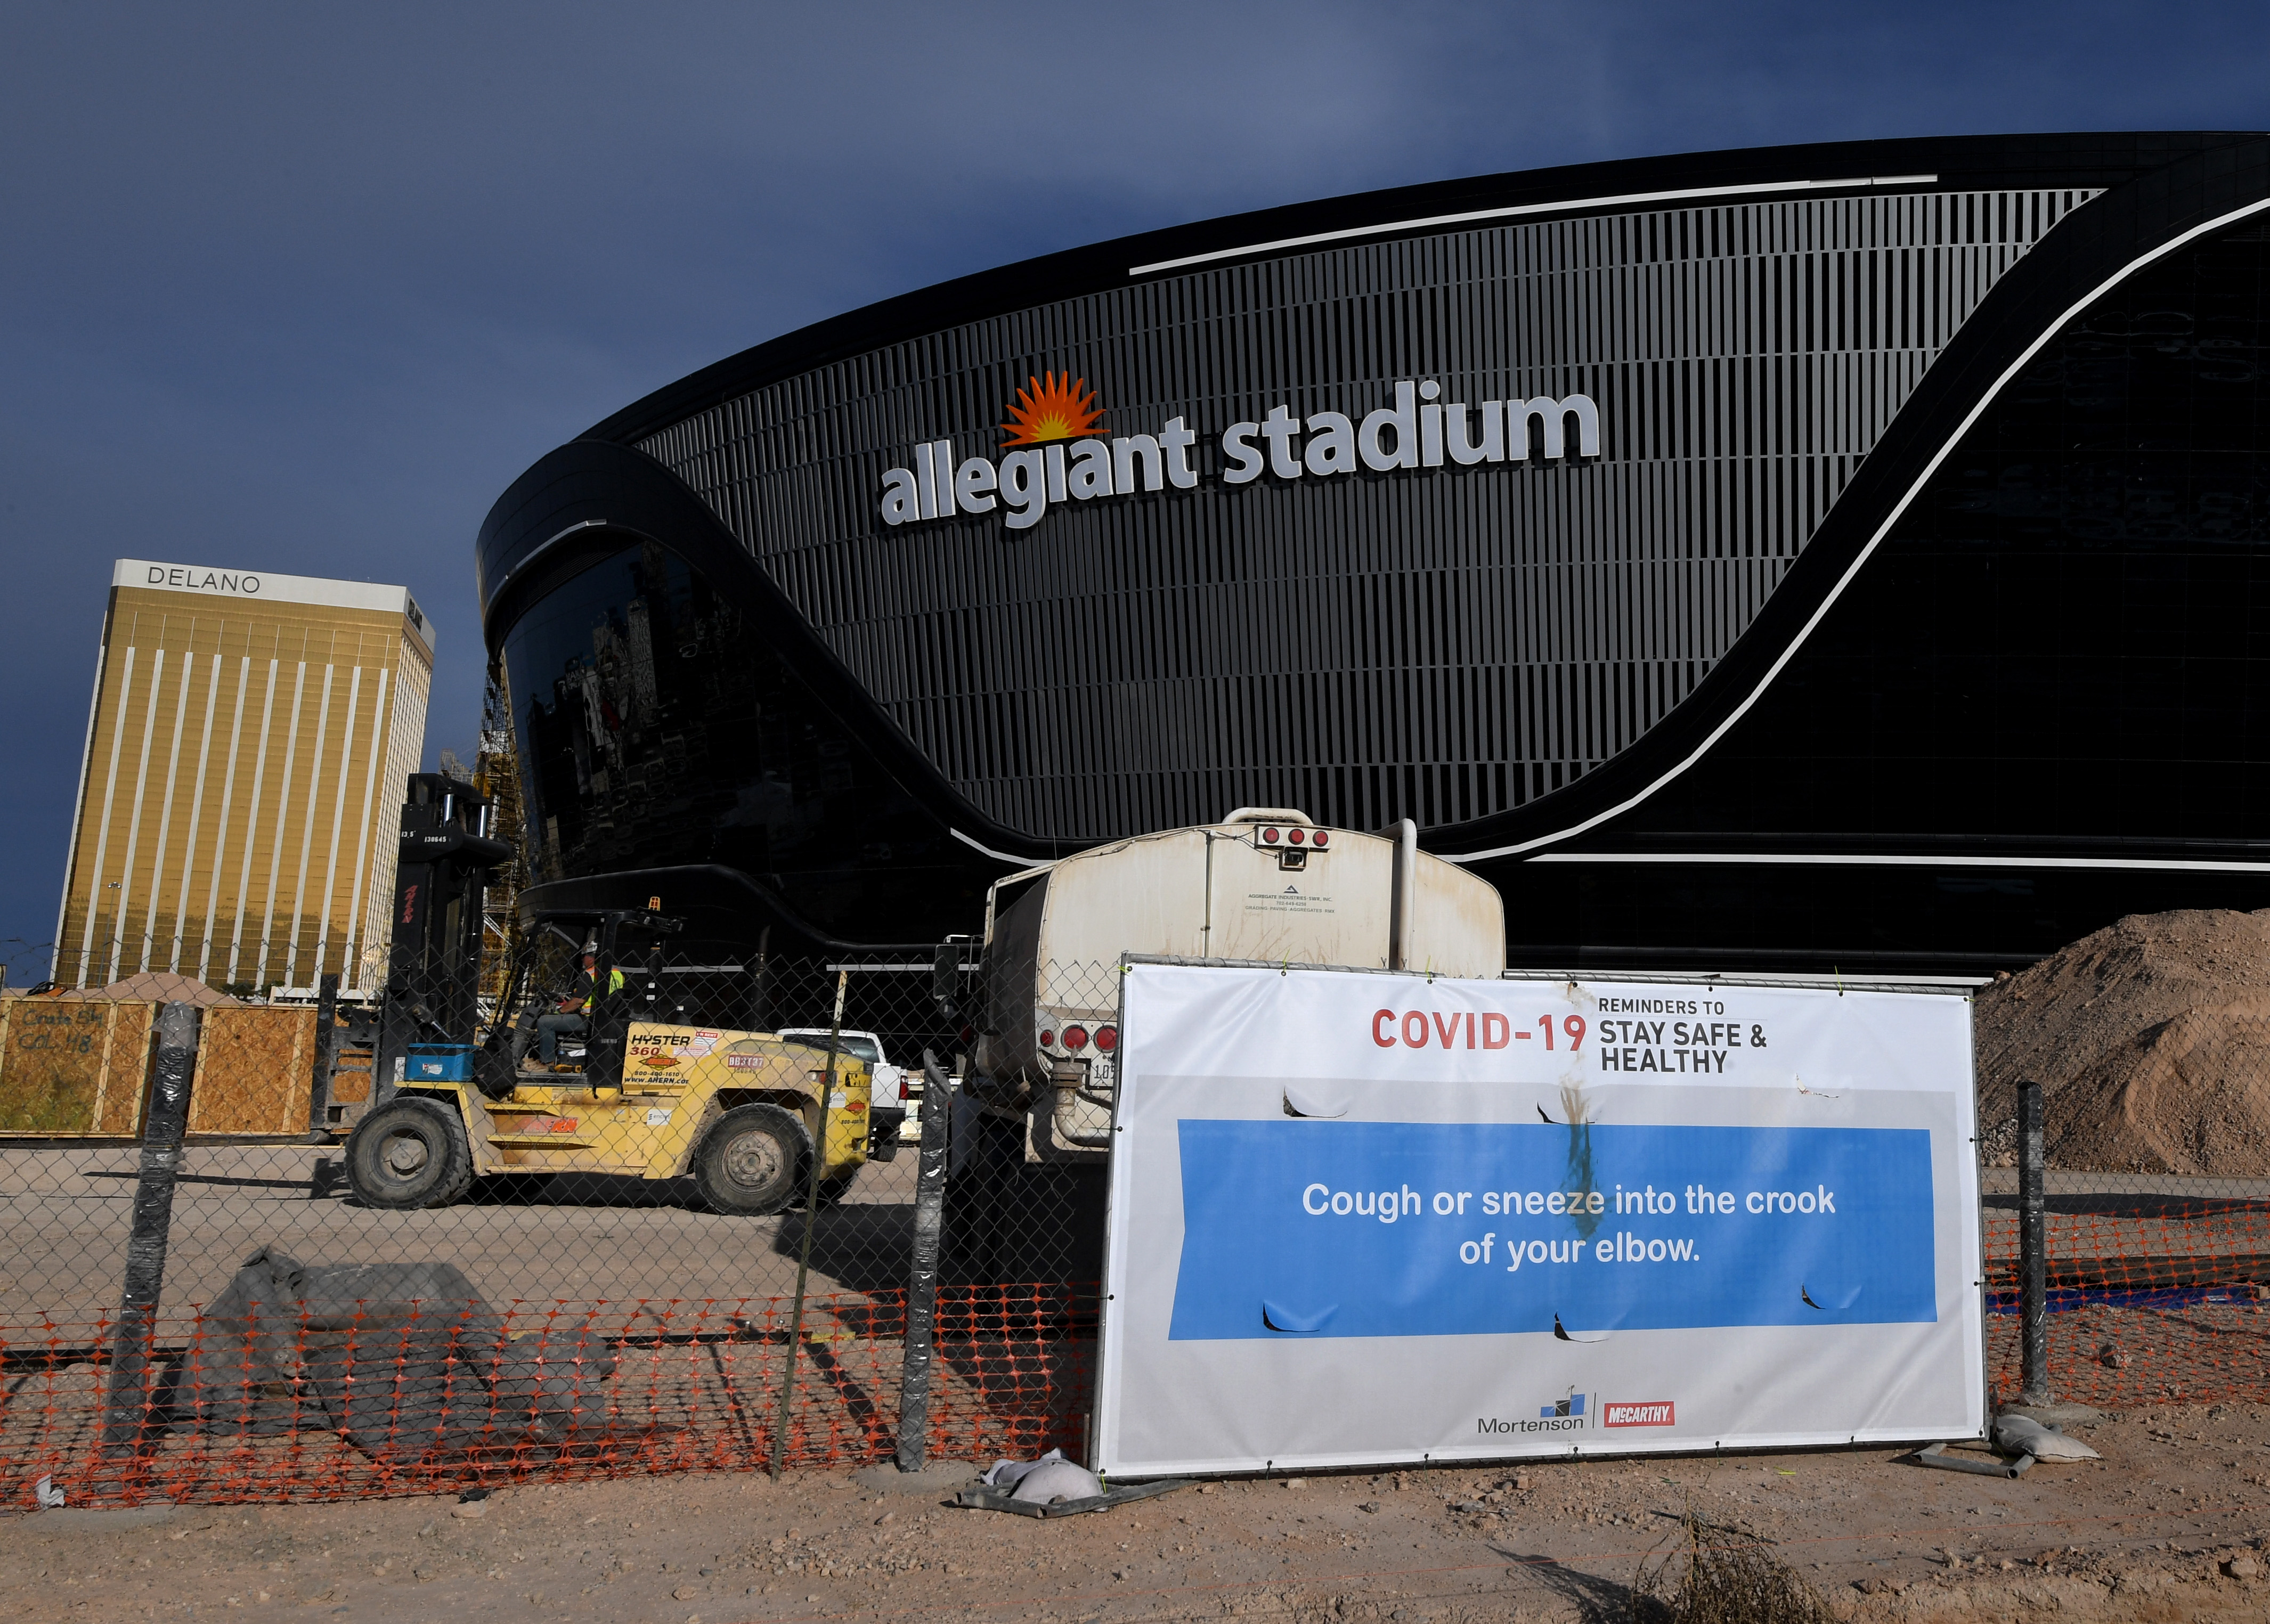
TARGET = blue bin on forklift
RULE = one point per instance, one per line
(440, 1062)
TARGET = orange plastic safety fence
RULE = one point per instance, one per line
(2155, 1296)
(1016, 1370)
(418, 1398)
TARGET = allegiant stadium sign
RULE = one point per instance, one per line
(1055, 454)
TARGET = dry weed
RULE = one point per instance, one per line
(1716, 1572)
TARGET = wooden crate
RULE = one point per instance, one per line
(255, 1068)
(73, 1067)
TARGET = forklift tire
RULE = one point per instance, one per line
(753, 1160)
(410, 1153)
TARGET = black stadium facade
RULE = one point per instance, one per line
(1850, 556)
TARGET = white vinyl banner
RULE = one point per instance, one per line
(1364, 1218)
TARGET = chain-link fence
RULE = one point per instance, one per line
(616, 1278)
(611, 1239)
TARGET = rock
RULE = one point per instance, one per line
(1297, 1482)
(2244, 1566)
(2111, 1358)
(686, 1592)
(1368, 1505)
(472, 1510)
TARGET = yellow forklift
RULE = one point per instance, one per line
(651, 1096)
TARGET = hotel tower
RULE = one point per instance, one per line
(247, 747)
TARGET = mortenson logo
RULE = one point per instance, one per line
(1563, 1414)
(1057, 451)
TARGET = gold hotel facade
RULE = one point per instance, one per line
(249, 744)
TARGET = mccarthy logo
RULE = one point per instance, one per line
(1058, 453)
(1652, 1412)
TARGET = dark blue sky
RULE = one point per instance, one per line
(303, 288)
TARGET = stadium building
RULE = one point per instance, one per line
(1853, 555)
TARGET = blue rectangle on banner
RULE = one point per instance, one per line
(1308, 1228)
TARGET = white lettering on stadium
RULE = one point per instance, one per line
(1416, 431)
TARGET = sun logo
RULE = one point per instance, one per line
(1052, 408)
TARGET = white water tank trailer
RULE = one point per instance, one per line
(1266, 884)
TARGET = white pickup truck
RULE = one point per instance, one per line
(894, 1115)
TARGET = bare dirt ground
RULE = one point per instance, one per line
(2170, 1525)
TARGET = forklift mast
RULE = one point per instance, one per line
(433, 967)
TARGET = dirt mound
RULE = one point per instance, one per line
(165, 987)
(2151, 1040)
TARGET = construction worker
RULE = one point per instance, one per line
(573, 1014)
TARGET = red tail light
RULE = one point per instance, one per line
(1269, 837)
(1321, 838)
(1048, 1040)
(1075, 1038)
(1297, 837)
(1107, 1038)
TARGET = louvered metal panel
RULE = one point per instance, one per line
(1440, 644)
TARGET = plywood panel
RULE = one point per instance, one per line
(51, 1067)
(126, 1069)
(254, 1068)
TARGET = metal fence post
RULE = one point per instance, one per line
(810, 1221)
(327, 1049)
(922, 1287)
(126, 1410)
(2033, 1247)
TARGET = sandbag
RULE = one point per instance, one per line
(2022, 1435)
